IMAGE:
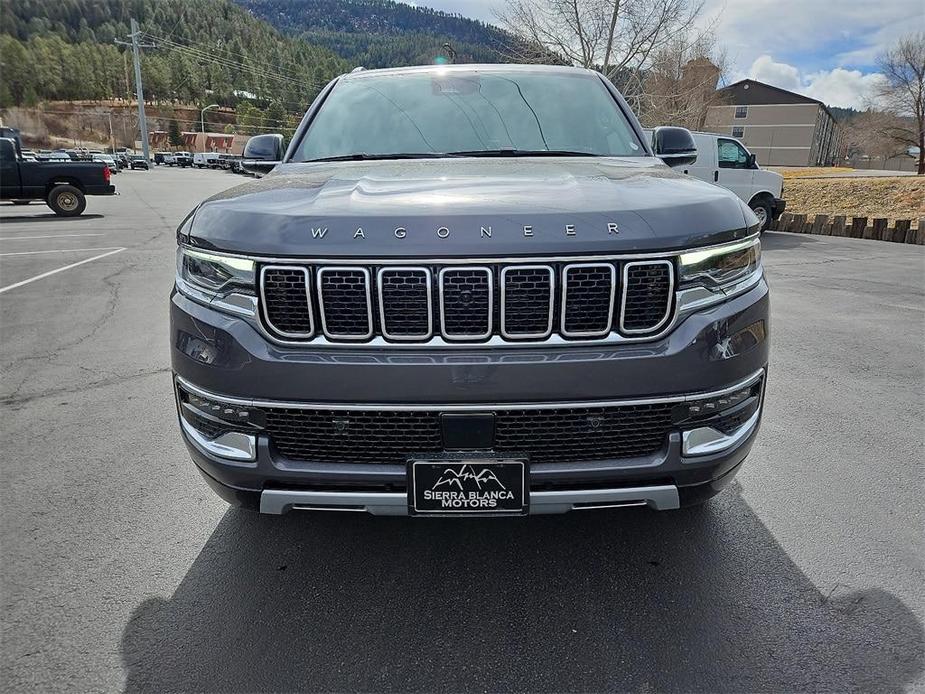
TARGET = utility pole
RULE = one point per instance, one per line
(139, 92)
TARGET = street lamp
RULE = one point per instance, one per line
(202, 116)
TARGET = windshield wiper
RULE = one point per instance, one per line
(363, 156)
(521, 153)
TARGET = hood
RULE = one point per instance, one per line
(467, 207)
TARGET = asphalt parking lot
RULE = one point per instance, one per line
(122, 571)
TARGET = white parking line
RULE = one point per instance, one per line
(60, 250)
(60, 269)
(47, 236)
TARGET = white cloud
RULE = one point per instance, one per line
(837, 87)
(782, 75)
(835, 33)
(840, 87)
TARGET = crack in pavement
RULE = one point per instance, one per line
(15, 403)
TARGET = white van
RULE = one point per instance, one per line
(725, 161)
(204, 159)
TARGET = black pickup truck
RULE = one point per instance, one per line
(64, 186)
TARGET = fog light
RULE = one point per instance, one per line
(698, 408)
(223, 429)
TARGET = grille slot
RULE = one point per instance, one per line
(344, 299)
(405, 303)
(648, 291)
(286, 300)
(466, 303)
(562, 435)
(527, 301)
(587, 299)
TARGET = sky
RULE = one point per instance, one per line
(825, 49)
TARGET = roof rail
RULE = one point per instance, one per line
(358, 68)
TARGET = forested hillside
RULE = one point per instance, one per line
(206, 50)
(382, 33)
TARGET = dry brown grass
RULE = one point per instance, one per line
(810, 171)
(902, 197)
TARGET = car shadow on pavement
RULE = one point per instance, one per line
(783, 241)
(47, 217)
(692, 600)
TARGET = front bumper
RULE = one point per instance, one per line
(709, 351)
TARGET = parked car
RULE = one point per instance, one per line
(159, 158)
(109, 160)
(63, 186)
(473, 299)
(169, 159)
(137, 161)
(53, 156)
(725, 161)
(204, 160)
(226, 161)
(183, 158)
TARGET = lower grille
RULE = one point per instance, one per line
(543, 435)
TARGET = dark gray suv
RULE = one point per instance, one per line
(469, 290)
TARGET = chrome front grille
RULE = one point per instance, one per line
(467, 303)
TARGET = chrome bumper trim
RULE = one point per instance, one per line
(457, 407)
(278, 501)
(706, 440)
(232, 445)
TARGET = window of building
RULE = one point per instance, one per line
(741, 112)
(738, 131)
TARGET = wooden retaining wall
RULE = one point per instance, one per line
(854, 227)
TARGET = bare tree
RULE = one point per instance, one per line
(679, 85)
(618, 37)
(867, 133)
(904, 92)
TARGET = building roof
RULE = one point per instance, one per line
(749, 92)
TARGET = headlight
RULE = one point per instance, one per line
(215, 274)
(221, 281)
(720, 267)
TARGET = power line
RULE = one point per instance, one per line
(259, 69)
(266, 65)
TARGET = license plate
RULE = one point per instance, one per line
(467, 487)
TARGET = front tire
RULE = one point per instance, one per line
(66, 201)
(762, 210)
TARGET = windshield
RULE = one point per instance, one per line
(475, 113)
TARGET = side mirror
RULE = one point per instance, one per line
(752, 162)
(262, 153)
(674, 146)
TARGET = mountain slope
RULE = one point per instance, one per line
(383, 33)
(63, 49)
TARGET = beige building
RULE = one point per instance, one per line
(781, 128)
